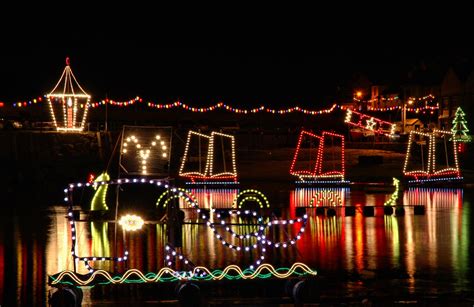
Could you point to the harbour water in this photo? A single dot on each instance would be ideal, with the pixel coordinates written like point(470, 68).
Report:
point(397, 256)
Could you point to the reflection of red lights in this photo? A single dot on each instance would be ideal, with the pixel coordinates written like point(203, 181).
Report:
point(447, 198)
point(215, 198)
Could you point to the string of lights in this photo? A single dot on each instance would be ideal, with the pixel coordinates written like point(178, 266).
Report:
point(166, 274)
point(251, 195)
point(221, 106)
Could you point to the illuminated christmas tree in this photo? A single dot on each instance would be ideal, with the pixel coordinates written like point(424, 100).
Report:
point(459, 128)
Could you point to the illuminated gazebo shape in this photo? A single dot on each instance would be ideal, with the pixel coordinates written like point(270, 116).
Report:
point(210, 161)
point(319, 169)
point(68, 102)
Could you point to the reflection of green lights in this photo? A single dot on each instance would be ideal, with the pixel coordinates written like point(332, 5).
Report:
point(100, 239)
point(463, 263)
point(391, 226)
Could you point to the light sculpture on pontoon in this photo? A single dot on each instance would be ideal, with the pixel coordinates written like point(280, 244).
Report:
point(222, 230)
point(427, 168)
point(315, 161)
point(215, 168)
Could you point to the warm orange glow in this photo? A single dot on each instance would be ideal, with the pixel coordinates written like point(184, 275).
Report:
point(359, 94)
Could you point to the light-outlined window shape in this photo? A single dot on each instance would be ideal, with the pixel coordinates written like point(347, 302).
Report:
point(216, 161)
point(431, 155)
point(68, 103)
point(319, 157)
point(145, 151)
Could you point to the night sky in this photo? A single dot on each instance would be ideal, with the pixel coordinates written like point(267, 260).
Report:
point(306, 63)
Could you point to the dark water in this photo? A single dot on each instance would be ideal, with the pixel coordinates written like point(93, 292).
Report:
point(412, 254)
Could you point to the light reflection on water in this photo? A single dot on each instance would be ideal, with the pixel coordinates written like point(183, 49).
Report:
point(435, 245)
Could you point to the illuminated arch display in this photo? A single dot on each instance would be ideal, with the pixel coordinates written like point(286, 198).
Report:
point(145, 150)
point(251, 195)
point(68, 103)
point(205, 157)
point(431, 166)
point(368, 122)
point(318, 168)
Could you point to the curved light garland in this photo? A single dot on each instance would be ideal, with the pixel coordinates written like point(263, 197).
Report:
point(188, 197)
point(251, 194)
point(166, 274)
point(225, 107)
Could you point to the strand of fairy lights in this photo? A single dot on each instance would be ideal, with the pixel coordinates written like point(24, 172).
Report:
point(226, 107)
point(251, 195)
point(160, 276)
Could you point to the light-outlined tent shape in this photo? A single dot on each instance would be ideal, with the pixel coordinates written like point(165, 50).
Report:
point(209, 157)
point(317, 167)
point(68, 102)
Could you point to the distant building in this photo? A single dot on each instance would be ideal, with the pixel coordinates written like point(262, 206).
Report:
point(410, 125)
point(452, 87)
point(384, 96)
point(431, 84)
